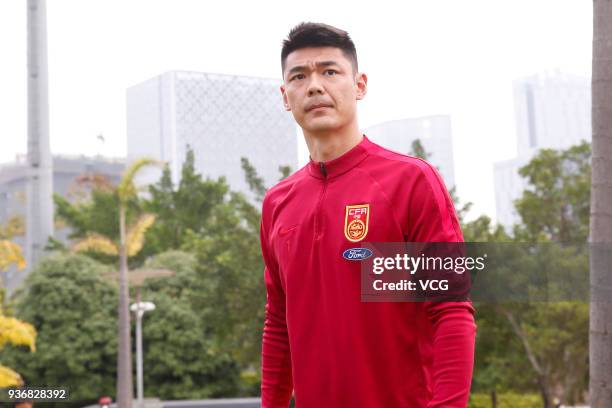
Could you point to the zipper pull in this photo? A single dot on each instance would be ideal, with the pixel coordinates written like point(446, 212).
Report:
point(323, 169)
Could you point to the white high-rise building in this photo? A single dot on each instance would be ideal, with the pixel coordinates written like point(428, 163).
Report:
point(222, 117)
point(434, 133)
point(552, 110)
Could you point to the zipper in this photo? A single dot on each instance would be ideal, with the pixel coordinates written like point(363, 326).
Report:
point(320, 202)
point(323, 170)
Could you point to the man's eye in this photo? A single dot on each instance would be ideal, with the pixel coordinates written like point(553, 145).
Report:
point(331, 72)
point(298, 76)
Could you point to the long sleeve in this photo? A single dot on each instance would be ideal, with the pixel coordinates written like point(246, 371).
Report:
point(453, 326)
point(276, 378)
point(453, 350)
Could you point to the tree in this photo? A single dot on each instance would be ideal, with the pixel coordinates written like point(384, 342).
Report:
point(229, 271)
point(554, 209)
point(221, 228)
point(183, 356)
point(418, 150)
point(482, 230)
point(72, 300)
point(555, 206)
point(285, 171)
point(16, 332)
point(126, 192)
point(255, 182)
point(541, 338)
point(98, 217)
point(601, 208)
point(74, 310)
point(130, 242)
point(12, 330)
point(189, 206)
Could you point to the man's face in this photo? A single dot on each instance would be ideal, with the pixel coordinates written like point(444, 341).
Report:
point(321, 89)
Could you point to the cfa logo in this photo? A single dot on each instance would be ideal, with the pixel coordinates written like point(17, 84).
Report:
point(356, 220)
point(358, 211)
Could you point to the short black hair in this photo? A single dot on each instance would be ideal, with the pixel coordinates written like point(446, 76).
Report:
point(308, 34)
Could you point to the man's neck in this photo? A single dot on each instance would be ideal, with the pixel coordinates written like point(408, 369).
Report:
point(328, 146)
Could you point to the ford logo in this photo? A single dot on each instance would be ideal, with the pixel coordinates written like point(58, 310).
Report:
point(356, 254)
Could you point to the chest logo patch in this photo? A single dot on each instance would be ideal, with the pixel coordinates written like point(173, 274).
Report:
point(356, 222)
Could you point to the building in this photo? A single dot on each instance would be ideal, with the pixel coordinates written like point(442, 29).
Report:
point(66, 171)
point(509, 186)
point(435, 135)
point(222, 117)
point(552, 110)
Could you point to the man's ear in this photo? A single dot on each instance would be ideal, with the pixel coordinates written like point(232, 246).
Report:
point(361, 81)
point(285, 100)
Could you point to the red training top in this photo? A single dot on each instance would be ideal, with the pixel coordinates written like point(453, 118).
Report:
point(319, 340)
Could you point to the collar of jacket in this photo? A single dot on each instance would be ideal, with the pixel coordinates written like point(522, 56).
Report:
point(341, 164)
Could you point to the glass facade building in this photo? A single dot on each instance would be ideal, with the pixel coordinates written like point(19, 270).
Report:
point(222, 117)
point(552, 110)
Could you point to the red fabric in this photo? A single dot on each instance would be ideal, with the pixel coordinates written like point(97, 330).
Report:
point(320, 341)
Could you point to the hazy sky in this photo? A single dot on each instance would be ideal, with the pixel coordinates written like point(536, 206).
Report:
point(422, 58)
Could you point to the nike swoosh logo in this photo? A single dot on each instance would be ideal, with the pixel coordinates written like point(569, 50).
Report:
point(284, 231)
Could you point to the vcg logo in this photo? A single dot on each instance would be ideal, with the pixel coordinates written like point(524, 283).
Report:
point(356, 254)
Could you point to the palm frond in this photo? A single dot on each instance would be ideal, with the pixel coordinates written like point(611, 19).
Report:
point(126, 187)
point(97, 243)
point(136, 233)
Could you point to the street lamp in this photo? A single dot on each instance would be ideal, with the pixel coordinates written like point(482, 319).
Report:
point(139, 309)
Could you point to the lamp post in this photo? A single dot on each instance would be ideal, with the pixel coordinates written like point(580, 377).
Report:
point(139, 309)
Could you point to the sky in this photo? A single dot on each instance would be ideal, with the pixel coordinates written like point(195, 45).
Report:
point(422, 57)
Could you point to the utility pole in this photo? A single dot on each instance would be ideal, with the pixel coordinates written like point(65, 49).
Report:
point(39, 219)
point(600, 240)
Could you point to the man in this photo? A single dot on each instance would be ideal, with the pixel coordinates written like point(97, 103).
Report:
point(320, 342)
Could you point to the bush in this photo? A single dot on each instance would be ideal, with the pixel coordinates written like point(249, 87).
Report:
point(73, 309)
point(505, 400)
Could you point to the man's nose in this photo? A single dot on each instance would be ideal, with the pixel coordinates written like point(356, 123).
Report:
point(314, 86)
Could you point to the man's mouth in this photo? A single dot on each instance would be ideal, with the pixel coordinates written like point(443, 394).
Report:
point(318, 106)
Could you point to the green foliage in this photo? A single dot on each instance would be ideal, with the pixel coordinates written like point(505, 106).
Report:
point(482, 230)
point(182, 358)
point(499, 355)
point(557, 203)
point(73, 309)
point(285, 171)
point(418, 150)
point(188, 207)
point(229, 270)
point(505, 400)
point(554, 208)
point(220, 296)
point(126, 190)
point(99, 215)
point(255, 182)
